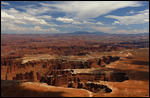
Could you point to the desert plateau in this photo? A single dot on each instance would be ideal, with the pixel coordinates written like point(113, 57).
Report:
point(41, 68)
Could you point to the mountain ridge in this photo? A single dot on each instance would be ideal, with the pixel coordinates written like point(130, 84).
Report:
point(99, 33)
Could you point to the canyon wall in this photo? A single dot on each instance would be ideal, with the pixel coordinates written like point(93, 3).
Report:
point(42, 67)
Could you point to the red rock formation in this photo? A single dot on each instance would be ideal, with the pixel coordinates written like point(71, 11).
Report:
point(54, 73)
point(27, 76)
point(97, 88)
point(61, 77)
point(38, 76)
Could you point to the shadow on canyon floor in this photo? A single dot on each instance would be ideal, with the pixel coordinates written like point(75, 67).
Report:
point(140, 62)
point(134, 74)
point(20, 91)
point(129, 57)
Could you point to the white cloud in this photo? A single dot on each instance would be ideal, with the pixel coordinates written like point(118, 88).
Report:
point(12, 10)
point(82, 10)
point(13, 20)
point(37, 10)
point(135, 31)
point(10, 27)
point(131, 12)
point(38, 28)
point(14, 16)
point(140, 18)
point(4, 15)
point(76, 22)
point(45, 17)
point(81, 24)
point(68, 20)
point(99, 23)
point(33, 20)
point(5, 3)
point(27, 30)
point(115, 22)
point(88, 23)
point(143, 12)
point(104, 29)
point(64, 20)
point(92, 23)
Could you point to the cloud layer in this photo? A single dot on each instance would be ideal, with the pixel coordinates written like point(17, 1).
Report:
point(13, 20)
point(140, 18)
point(58, 16)
point(89, 9)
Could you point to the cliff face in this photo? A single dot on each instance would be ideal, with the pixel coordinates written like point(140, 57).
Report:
point(67, 78)
point(59, 72)
point(26, 76)
point(43, 66)
point(59, 78)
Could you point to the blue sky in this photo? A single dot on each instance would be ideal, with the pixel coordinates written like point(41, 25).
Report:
point(52, 17)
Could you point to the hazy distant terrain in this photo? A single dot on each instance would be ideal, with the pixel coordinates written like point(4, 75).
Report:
point(21, 42)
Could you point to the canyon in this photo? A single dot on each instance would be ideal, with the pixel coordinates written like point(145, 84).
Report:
point(58, 72)
point(64, 63)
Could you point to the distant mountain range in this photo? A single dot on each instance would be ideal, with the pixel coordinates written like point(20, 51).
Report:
point(86, 32)
point(100, 33)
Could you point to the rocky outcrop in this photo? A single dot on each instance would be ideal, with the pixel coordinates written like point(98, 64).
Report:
point(91, 86)
point(26, 76)
point(64, 77)
point(58, 63)
point(96, 87)
point(54, 70)
point(58, 72)
point(83, 80)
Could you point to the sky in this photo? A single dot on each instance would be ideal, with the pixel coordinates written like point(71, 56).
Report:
point(54, 17)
